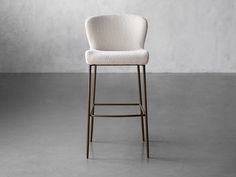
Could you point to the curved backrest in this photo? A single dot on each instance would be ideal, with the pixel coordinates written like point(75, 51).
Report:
point(116, 32)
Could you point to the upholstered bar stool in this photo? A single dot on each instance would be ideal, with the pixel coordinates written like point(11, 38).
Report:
point(117, 40)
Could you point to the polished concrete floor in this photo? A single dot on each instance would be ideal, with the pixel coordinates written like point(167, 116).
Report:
point(192, 126)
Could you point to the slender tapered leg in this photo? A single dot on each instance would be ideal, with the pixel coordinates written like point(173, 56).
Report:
point(93, 101)
point(140, 101)
point(89, 99)
point(146, 110)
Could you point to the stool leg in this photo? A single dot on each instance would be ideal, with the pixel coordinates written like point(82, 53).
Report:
point(140, 101)
point(89, 99)
point(146, 110)
point(93, 102)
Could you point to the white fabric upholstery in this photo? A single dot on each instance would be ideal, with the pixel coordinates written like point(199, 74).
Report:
point(116, 39)
point(139, 57)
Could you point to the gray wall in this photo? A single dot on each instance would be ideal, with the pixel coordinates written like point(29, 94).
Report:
point(184, 35)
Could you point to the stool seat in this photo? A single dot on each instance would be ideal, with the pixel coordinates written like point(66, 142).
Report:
point(130, 57)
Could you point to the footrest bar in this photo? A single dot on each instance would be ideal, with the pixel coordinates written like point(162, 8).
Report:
point(116, 104)
point(117, 115)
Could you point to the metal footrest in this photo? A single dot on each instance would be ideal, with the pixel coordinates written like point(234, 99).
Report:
point(117, 115)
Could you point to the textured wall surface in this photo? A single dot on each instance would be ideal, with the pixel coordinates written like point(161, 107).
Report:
point(183, 36)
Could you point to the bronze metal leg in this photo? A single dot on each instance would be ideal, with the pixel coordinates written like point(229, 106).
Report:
point(146, 111)
point(89, 99)
point(93, 102)
point(140, 100)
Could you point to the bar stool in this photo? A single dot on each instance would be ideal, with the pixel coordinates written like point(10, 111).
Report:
point(116, 40)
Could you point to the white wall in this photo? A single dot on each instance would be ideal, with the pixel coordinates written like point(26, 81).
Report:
point(183, 36)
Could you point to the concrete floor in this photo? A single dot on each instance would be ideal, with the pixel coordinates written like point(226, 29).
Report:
point(192, 126)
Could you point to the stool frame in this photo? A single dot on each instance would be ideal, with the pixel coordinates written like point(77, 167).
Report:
point(92, 104)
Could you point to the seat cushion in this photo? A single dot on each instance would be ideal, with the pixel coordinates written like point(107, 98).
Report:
point(139, 57)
